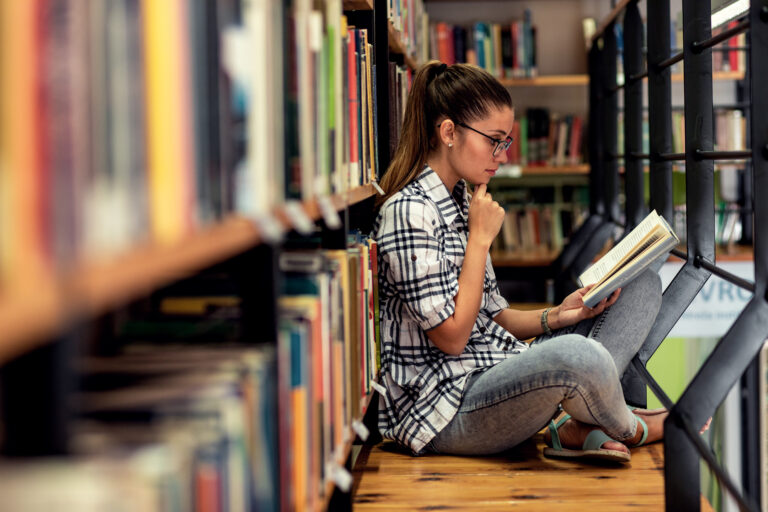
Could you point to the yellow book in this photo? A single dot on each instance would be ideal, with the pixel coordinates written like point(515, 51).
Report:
point(22, 243)
point(169, 155)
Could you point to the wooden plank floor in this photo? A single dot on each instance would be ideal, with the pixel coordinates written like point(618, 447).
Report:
point(387, 478)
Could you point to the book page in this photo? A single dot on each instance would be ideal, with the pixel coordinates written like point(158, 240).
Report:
point(603, 266)
point(631, 268)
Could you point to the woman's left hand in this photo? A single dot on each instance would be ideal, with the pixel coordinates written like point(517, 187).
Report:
point(573, 310)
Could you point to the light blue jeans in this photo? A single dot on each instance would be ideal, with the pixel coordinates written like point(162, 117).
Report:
point(577, 367)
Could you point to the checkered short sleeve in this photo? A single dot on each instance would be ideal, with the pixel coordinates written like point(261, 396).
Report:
point(414, 259)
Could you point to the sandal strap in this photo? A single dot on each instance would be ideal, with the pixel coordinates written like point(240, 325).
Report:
point(641, 421)
point(595, 440)
point(553, 427)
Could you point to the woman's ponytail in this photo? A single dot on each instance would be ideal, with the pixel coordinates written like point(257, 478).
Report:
point(460, 92)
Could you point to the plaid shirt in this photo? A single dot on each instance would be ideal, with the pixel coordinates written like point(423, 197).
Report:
point(422, 236)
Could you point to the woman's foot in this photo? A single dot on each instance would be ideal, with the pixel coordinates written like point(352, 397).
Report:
point(573, 433)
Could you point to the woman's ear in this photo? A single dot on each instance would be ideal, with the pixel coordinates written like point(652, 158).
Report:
point(447, 132)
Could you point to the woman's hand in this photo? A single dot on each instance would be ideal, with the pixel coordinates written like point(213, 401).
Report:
point(485, 217)
point(573, 310)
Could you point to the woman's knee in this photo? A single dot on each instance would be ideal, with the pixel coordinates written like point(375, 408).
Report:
point(584, 356)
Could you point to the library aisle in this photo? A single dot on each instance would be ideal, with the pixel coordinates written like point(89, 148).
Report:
point(387, 478)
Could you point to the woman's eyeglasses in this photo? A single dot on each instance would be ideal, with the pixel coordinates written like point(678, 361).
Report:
point(501, 145)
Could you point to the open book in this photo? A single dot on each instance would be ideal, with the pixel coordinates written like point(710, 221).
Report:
point(650, 239)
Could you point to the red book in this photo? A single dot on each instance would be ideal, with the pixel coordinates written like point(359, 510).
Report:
point(733, 55)
point(574, 149)
point(444, 42)
point(354, 107)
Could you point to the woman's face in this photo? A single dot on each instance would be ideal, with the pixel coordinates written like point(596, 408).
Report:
point(473, 157)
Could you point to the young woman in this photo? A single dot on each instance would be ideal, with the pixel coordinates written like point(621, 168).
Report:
point(458, 379)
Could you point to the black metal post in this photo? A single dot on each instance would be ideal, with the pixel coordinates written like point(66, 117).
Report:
point(659, 107)
point(595, 130)
point(633, 117)
point(609, 113)
point(757, 74)
point(681, 469)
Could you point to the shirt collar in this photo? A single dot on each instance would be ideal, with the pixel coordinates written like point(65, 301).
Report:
point(438, 192)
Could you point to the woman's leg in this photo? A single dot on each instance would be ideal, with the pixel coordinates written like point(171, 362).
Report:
point(623, 327)
point(510, 402)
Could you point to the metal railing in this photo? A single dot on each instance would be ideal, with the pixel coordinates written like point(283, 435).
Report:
point(736, 351)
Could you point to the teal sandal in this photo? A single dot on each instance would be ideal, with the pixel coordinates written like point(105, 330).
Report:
point(590, 449)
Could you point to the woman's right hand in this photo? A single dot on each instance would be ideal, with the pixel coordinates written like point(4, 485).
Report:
point(485, 216)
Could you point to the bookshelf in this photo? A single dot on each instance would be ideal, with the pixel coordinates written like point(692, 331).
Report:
point(240, 192)
point(579, 80)
point(28, 320)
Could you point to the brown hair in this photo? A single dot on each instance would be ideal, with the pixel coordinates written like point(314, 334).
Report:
point(460, 92)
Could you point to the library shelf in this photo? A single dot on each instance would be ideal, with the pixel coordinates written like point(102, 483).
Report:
point(330, 484)
point(357, 5)
point(583, 80)
point(536, 258)
point(580, 169)
point(29, 314)
point(546, 81)
point(396, 45)
point(716, 76)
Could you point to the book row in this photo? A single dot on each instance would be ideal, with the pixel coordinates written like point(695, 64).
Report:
point(192, 414)
point(410, 18)
point(544, 138)
point(506, 50)
point(538, 228)
point(128, 121)
point(730, 131)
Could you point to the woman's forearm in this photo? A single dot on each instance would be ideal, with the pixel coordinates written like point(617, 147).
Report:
point(527, 324)
point(453, 334)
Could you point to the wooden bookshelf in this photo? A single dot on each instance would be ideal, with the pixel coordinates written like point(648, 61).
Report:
point(537, 258)
point(396, 45)
point(716, 76)
point(582, 80)
point(38, 311)
point(357, 5)
point(547, 81)
point(580, 170)
point(731, 252)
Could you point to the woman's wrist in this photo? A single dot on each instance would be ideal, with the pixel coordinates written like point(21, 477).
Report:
point(477, 242)
point(553, 318)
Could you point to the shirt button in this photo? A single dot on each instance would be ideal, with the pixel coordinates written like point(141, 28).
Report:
point(482, 330)
point(413, 257)
point(487, 289)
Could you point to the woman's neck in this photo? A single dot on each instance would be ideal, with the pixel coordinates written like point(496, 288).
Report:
point(438, 162)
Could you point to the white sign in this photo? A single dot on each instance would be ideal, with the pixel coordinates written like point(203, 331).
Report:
point(717, 304)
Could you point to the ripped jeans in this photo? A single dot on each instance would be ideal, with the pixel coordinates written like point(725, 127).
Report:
point(578, 367)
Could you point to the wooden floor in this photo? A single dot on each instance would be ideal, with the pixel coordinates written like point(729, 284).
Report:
point(387, 478)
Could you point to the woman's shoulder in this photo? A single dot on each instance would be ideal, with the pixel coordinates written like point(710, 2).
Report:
point(409, 207)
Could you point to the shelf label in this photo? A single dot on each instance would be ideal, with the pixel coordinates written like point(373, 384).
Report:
point(330, 215)
point(341, 477)
point(298, 217)
point(379, 388)
point(378, 188)
point(360, 429)
point(270, 229)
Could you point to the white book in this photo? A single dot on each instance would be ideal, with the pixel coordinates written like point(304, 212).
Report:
point(642, 246)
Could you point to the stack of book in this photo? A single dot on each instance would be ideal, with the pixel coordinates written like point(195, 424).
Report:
point(544, 138)
point(505, 50)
